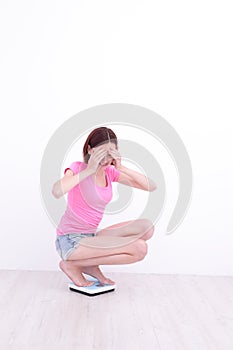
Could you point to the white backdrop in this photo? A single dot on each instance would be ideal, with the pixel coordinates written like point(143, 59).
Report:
point(59, 58)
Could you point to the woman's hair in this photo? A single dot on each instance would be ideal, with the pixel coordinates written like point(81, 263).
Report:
point(97, 137)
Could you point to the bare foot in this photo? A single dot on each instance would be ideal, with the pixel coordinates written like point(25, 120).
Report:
point(74, 273)
point(95, 271)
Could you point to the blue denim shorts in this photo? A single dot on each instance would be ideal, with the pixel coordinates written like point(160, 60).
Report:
point(67, 243)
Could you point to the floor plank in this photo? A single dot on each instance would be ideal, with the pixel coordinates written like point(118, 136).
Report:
point(146, 311)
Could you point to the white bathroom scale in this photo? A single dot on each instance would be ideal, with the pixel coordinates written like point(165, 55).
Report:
point(96, 289)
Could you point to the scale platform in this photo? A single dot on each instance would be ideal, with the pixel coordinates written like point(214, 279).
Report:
point(96, 289)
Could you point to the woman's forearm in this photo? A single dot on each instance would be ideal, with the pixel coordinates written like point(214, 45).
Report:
point(143, 182)
point(65, 184)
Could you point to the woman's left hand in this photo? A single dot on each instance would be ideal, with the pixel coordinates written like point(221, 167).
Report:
point(116, 158)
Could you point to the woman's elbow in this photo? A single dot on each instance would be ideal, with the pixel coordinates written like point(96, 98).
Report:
point(152, 187)
point(55, 192)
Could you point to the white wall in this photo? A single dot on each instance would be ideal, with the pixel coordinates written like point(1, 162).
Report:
point(175, 58)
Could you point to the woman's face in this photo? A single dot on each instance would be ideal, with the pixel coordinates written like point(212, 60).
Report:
point(107, 160)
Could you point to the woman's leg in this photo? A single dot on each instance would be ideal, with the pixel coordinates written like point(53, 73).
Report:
point(140, 228)
point(97, 251)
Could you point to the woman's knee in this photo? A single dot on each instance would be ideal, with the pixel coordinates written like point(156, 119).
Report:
point(141, 249)
point(147, 226)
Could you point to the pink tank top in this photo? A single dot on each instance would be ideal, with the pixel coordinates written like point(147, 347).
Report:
point(86, 202)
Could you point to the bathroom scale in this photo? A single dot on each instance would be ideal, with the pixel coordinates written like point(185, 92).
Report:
point(96, 289)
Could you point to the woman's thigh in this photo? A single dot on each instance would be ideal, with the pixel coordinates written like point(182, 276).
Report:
point(93, 247)
point(127, 228)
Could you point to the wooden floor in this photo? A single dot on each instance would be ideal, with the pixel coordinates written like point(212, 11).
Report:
point(146, 311)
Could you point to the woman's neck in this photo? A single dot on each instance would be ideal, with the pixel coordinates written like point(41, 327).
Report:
point(100, 172)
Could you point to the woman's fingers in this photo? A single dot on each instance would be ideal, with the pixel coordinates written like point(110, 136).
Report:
point(95, 158)
point(99, 154)
point(115, 154)
point(116, 158)
point(98, 151)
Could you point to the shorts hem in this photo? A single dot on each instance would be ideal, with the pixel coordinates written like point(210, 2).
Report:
point(68, 253)
point(62, 250)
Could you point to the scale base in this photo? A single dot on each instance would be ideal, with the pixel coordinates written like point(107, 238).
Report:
point(96, 289)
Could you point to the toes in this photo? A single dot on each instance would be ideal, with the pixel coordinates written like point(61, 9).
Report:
point(106, 281)
point(88, 284)
point(84, 284)
point(110, 281)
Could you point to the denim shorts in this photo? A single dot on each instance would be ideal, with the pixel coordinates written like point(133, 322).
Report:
point(67, 243)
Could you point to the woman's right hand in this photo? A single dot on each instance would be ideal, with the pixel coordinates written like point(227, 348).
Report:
point(96, 156)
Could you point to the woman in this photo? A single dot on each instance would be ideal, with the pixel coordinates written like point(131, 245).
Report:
point(89, 189)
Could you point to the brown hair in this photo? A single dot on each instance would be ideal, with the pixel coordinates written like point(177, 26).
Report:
point(97, 137)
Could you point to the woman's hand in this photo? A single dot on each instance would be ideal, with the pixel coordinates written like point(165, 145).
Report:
point(96, 156)
point(116, 158)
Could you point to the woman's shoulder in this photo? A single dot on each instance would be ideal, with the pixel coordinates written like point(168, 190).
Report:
point(76, 166)
point(78, 162)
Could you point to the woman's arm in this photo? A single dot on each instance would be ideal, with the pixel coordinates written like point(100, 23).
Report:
point(132, 178)
point(68, 181)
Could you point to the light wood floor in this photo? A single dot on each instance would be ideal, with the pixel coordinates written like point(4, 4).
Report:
point(146, 311)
